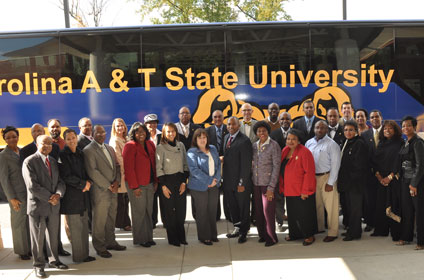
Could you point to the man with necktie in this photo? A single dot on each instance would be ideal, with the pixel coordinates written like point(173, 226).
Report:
point(347, 111)
point(104, 170)
point(307, 123)
point(335, 129)
point(45, 188)
point(86, 129)
point(246, 126)
point(185, 127)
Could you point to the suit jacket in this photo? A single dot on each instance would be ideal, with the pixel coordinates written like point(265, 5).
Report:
point(32, 148)
point(300, 124)
point(186, 140)
point(83, 142)
point(11, 175)
point(253, 138)
point(237, 162)
point(98, 167)
point(339, 137)
point(213, 139)
point(277, 135)
point(41, 186)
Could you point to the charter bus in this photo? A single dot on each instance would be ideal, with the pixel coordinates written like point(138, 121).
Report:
point(128, 72)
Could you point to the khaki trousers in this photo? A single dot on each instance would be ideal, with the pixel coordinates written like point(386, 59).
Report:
point(330, 202)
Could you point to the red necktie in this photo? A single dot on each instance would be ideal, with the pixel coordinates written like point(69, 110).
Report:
point(48, 166)
point(229, 142)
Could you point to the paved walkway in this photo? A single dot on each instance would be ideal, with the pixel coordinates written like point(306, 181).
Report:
point(370, 258)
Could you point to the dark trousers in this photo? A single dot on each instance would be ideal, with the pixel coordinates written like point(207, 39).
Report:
point(354, 212)
point(122, 217)
point(381, 220)
point(44, 229)
point(342, 199)
point(265, 214)
point(206, 204)
point(412, 210)
point(239, 205)
point(175, 209)
point(370, 198)
point(394, 202)
point(279, 207)
point(302, 216)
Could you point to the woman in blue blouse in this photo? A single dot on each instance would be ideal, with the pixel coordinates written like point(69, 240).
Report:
point(205, 175)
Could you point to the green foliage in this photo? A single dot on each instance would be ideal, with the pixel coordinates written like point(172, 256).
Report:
point(198, 11)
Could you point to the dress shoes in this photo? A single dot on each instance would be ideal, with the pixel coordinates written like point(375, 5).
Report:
point(261, 240)
point(350, 238)
point(206, 242)
point(24, 257)
point(105, 254)
point(89, 259)
point(116, 247)
point(308, 241)
point(368, 228)
point(64, 253)
point(344, 234)
point(176, 244)
point(152, 243)
point(215, 239)
point(270, 243)
point(145, 245)
point(242, 238)
point(184, 242)
point(58, 265)
point(234, 234)
point(39, 272)
point(330, 238)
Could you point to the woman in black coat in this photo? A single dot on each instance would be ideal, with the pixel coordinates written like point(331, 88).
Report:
point(412, 189)
point(75, 201)
point(351, 179)
point(385, 168)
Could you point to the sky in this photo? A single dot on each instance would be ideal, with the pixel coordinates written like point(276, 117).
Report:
point(46, 14)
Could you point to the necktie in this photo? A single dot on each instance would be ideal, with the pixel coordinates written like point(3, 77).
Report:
point(249, 123)
point(186, 131)
point(229, 142)
point(48, 166)
point(219, 137)
point(308, 123)
point(376, 139)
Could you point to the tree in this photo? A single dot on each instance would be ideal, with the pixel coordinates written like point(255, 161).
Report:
point(197, 11)
point(89, 12)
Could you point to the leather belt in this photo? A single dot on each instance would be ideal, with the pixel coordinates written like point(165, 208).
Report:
point(320, 174)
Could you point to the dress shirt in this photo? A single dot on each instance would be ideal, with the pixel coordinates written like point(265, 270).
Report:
point(43, 157)
point(247, 128)
point(285, 132)
point(333, 130)
point(232, 137)
point(309, 123)
point(327, 156)
point(155, 138)
point(88, 137)
point(185, 129)
point(106, 152)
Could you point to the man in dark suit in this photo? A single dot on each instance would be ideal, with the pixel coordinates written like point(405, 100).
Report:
point(280, 136)
point(37, 130)
point(335, 129)
point(185, 127)
point(45, 188)
point(307, 123)
point(371, 139)
point(216, 135)
point(237, 181)
point(347, 112)
point(86, 130)
point(103, 169)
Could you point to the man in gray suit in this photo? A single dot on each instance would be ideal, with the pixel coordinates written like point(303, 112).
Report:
point(103, 169)
point(45, 188)
point(86, 128)
point(246, 125)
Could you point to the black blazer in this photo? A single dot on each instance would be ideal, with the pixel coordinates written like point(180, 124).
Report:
point(237, 162)
point(353, 166)
point(32, 148)
point(72, 171)
point(212, 137)
point(277, 135)
point(300, 124)
point(187, 141)
point(339, 137)
point(83, 142)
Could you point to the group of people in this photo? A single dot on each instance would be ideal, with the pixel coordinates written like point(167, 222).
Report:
point(311, 168)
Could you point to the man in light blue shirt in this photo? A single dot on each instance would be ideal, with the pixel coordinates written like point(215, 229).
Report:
point(327, 158)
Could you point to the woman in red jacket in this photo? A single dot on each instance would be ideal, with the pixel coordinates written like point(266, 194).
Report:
point(141, 182)
point(297, 182)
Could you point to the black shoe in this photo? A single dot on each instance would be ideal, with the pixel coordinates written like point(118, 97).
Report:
point(270, 243)
point(58, 265)
point(89, 259)
point(64, 253)
point(368, 228)
point(152, 243)
point(184, 242)
point(242, 238)
point(117, 247)
point(234, 234)
point(105, 254)
point(206, 242)
point(261, 240)
point(344, 234)
point(39, 272)
point(176, 244)
point(350, 238)
point(145, 245)
point(215, 239)
point(24, 257)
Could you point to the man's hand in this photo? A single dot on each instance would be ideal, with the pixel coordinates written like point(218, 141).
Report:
point(16, 204)
point(54, 199)
point(87, 187)
point(137, 192)
point(114, 187)
point(328, 188)
point(240, 188)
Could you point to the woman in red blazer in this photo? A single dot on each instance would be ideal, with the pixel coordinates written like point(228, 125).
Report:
point(141, 182)
point(297, 182)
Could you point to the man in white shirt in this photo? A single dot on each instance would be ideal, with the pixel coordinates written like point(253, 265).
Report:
point(246, 125)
